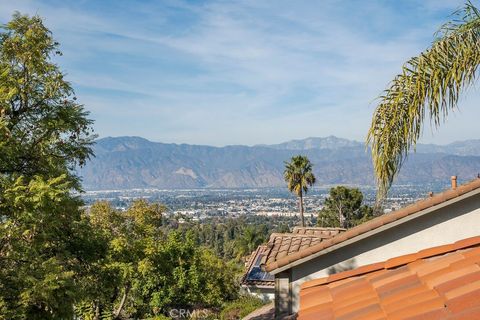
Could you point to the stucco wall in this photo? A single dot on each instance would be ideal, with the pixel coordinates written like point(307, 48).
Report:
point(266, 294)
point(443, 226)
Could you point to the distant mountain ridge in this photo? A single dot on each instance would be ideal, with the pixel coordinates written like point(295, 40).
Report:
point(459, 148)
point(134, 162)
point(330, 142)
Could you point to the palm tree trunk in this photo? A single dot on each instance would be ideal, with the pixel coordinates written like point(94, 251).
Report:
point(341, 218)
point(301, 209)
point(122, 302)
point(97, 311)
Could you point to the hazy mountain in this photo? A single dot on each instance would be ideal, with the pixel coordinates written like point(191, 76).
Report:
point(330, 142)
point(133, 162)
point(460, 148)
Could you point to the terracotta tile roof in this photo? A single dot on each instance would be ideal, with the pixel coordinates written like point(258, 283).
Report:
point(282, 245)
point(254, 275)
point(324, 233)
point(437, 283)
point(373, 224)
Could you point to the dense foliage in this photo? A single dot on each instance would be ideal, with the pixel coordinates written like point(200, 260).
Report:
point(233, 239)
point(148, 272)
point(344, 208)
point(46, 246)
point(240, 308)
point(43, 130)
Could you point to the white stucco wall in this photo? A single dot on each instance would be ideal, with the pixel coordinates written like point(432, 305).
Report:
point(266, 294)
point(451, 223)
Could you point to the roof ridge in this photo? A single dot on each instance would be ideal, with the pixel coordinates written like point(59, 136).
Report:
point(396, 261)
point(377, 222)
point(286, 244)
point(294, 235)
point(319, 228)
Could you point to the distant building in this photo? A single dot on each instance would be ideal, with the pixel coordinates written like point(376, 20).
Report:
point(277, 213)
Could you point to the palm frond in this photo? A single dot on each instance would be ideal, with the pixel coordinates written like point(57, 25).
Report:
point(428, 86)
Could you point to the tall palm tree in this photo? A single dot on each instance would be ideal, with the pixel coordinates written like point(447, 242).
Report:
point(299, 177)
point(429, 86)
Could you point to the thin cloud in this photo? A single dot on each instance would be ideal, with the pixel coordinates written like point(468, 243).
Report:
point(237, 72)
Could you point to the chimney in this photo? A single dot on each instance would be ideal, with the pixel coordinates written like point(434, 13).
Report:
point(454, 182)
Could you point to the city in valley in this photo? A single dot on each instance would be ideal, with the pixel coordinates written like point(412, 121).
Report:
point(200, 204)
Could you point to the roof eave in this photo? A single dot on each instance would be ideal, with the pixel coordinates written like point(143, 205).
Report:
point(255, 286)
point(367, 234)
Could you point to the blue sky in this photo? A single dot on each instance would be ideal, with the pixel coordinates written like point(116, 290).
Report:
point(241, 72)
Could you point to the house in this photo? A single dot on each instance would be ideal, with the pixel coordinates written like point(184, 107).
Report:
point(441, 282)
point(439, 219)
point(256, 280)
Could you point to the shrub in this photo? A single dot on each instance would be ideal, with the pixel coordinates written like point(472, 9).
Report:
point(241, 307)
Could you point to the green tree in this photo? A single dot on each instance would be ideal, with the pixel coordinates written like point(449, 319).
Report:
point(45, 250)
point(149, 269)
point(46, 246)
point(299, 177)
point(43, 129)
point(189, 276)
point(343, 208)
point(250, 238)
point(233, 238)
point(428, 86)
point(133, 238)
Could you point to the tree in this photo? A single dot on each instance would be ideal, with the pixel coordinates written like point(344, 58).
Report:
point(429, 86)
point(188, 276)
point(233, 238)
point(132, 238)
point(343, 208)
point(299, 177)
point(149, 269)
point(250, 238)
point(46, 245)
point(43, 129)
point(45, 250)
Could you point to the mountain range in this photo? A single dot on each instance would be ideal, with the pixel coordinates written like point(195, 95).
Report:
point(134, 162)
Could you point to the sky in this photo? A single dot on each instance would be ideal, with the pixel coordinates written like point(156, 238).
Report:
point(242, 72)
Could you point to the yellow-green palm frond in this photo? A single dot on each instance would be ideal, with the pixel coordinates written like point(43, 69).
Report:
point(428, 86)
